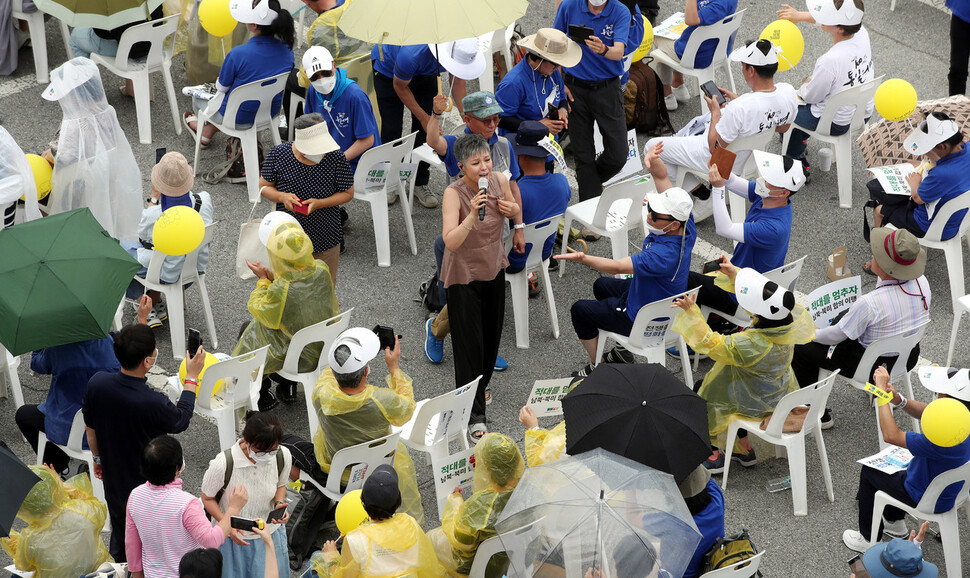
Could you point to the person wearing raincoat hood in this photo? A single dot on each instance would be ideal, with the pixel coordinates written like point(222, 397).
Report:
point(94, 166)
point(752, 368)
point(16, 181)
point(465, 524)
point(63, 534)
point(295, 291)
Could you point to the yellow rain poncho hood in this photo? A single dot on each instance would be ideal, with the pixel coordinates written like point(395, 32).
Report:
point(392, 548)
point(300, 295)
point(546, 445)
point(752, 369)
point(63, 535)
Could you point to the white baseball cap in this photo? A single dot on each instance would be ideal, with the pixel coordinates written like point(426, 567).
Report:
point(751, 54)
point(363, 344)
point(69, 76)
point(784, 172)
point(271, 221)
point(749, 287)
point(246, 12)
point(930, 133)
point(824, 12)
point(947, 380)
point(315, 59)
point(675, 202)
point(460, 57)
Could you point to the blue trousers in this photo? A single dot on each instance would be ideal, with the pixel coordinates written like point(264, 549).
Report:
point(607, 311)
point(799, 138)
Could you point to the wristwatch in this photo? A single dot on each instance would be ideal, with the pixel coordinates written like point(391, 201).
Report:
point(519, 226)
point(97, 460)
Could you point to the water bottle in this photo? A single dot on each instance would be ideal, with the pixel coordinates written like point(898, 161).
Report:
point(778, 484)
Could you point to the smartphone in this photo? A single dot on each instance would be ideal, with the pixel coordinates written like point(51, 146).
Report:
point(245, 523)
point(386, 335)
point(579, 34)
point(711, 266)
point(712, 91)
point(553, 112)
point(159, 153)
point(194, 341)
point(855, 564)
point(302, 209)
point(277, 514)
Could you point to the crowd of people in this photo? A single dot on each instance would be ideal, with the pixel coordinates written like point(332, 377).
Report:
point(502, 169)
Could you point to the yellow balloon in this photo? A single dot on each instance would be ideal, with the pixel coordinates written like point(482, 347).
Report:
point(350, 512)
point(215, 17)
point(209, 360)
point(895, 99)
point(178, 231)
point(647, 42)
point(42, 175)
point(788, 37)
point(945, 422)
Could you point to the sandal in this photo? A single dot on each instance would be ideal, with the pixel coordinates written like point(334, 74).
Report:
point(488, 395)
point(867, 268)
point(190, 117)
point(476, 431)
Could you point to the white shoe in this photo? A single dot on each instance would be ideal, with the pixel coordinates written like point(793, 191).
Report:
point(681, 93)
point(671, 102)
point(161, 310)
point(152, 320)
point(854, 540)
point(895, 529)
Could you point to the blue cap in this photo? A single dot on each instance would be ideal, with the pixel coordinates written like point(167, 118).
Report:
point(897, 557)
point(527, 139)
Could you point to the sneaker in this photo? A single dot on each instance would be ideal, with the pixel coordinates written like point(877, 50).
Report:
point(588, 235)
point(161, 310)
point(895, 529)
point(585, 371)
point(500, 364)
point(153, 320)
point(746, 459)
point(286, 392)
point(554, 263)
point(425, 197)
point(827, 422)
point(808, 172)
point(433, 348)
point(675, 352)
point(681, 93)
point(267, 400)
point(702, 192)
point(534, 288)
point(854, 540)
point(618, 355)
point(671, 102)
point(715, 466)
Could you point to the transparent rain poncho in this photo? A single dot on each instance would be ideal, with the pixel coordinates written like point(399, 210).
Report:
point(16, 177)
point(63, 534)
point(752, 368)
point(347, 420)
point(300, 295)
point(94, 166)
point(597, 510)
point(465, 524)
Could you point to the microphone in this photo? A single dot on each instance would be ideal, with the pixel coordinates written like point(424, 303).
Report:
point(482, 186)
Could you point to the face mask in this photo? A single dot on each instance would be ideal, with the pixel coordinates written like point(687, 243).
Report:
point(597, 3)
point(657, 231)
point(325, 85)
point(264, 458)
point(761, 189)
point(313, 158)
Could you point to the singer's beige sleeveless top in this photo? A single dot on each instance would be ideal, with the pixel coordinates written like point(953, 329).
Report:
point(482, 255)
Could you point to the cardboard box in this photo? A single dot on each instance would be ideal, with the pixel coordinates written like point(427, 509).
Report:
point(837, 268)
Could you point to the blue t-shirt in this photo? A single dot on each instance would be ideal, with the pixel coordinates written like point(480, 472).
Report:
point(710, 523)
point(451, 163)
point(961, 8)
point(261, 57)
point(660, 269)
point(929, 461)
point(766, 236)
point(416, 60)
point(543, 196)
point(384, 66)
point(526, 94)
point(611, 25)
point(350, 117)
point(949, 179)
point(709, 12)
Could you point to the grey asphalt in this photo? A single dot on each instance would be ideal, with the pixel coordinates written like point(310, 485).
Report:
point(910, 43)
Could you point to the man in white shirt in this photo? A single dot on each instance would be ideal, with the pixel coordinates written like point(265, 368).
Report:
point(768, 106)
point(848, 63)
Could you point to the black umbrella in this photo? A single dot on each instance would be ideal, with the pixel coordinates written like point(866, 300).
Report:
point(639, 411)
point(15, 483)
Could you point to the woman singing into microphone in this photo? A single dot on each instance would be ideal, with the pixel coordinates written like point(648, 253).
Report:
point(474, 213)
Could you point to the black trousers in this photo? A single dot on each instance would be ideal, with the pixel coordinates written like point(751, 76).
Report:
point(959, 55)
point(710, 294)
point(604, 105)
point(871, 481)
point(30, 420)
point(424, 89)
point(476, 312)
point(293, 86)
point(811, 357)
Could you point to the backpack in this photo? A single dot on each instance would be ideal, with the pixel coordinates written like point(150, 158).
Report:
point(643, 102)
point(730, 550)
point(429, 296)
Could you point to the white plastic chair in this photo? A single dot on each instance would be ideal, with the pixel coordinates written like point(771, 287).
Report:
point(816, 396)
point(743, 569)
point(959, 308)
point(612, 214)
point(38, 38)
point(295, 100)
point(536, 235)
point(324, 332)
point(389, 156)
point(952, 248)
point(483, 555)
point(159, 59)
point(651, 335)
point(722, 32)
point(359, 460)
point(925, 510)
point(173, 293)
point(440, 420)
point(261, 91)
point(241, 377)
point(75, 449)
point(497, 41)
point(9, 378)
point(785, 276)
point(858, 96)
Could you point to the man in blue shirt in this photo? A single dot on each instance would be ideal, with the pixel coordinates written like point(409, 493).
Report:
point(342, 103)
point(658, 271)
point(594, 86)
point(939, 139)
point(705, 501)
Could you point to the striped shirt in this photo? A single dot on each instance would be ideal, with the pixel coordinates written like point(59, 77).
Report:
point(891, 308)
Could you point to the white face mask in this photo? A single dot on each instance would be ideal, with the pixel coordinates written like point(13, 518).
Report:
point(761, 189)
point(325, 85)
point(313, 158)
point(597, 3)
point(657, 231)
point(264, 458)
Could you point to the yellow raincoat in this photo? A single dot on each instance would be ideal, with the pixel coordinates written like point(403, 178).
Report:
point(348, 420)
point(752, 369)
point(300, 295)
point(392, 548)
point(546, 445)
point(63, 534)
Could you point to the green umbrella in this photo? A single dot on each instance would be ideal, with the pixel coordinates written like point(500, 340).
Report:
point(103, 14)
point(62, 278)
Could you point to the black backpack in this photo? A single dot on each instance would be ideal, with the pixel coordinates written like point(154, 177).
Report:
point(429, 295)
point(643, 102)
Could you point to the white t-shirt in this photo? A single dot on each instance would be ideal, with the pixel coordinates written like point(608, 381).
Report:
point(755, 112)
point(846, 64)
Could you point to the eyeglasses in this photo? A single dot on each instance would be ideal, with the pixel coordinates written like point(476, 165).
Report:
point(154, 356)
point(657, 216)
point(494, 119)
point(322, 74)
point(271, 452)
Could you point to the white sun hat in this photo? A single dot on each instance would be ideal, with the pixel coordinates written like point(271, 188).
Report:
point(749, 287)
point(460, 57)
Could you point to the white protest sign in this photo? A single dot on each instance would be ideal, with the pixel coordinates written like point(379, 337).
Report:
point(452, 471)
point(633, 163)
point(672, 27)
point(546, 397)
point(828, 300)
point(893, 178)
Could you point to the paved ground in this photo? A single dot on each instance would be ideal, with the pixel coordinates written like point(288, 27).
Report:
point(910, 43)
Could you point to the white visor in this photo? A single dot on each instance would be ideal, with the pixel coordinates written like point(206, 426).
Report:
point(771, 167)
point(750, 54)
point(928, 134)
point(363, 345)
point(749, 286)
point(824, 12)
point(244, 11)
point(952, 382)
